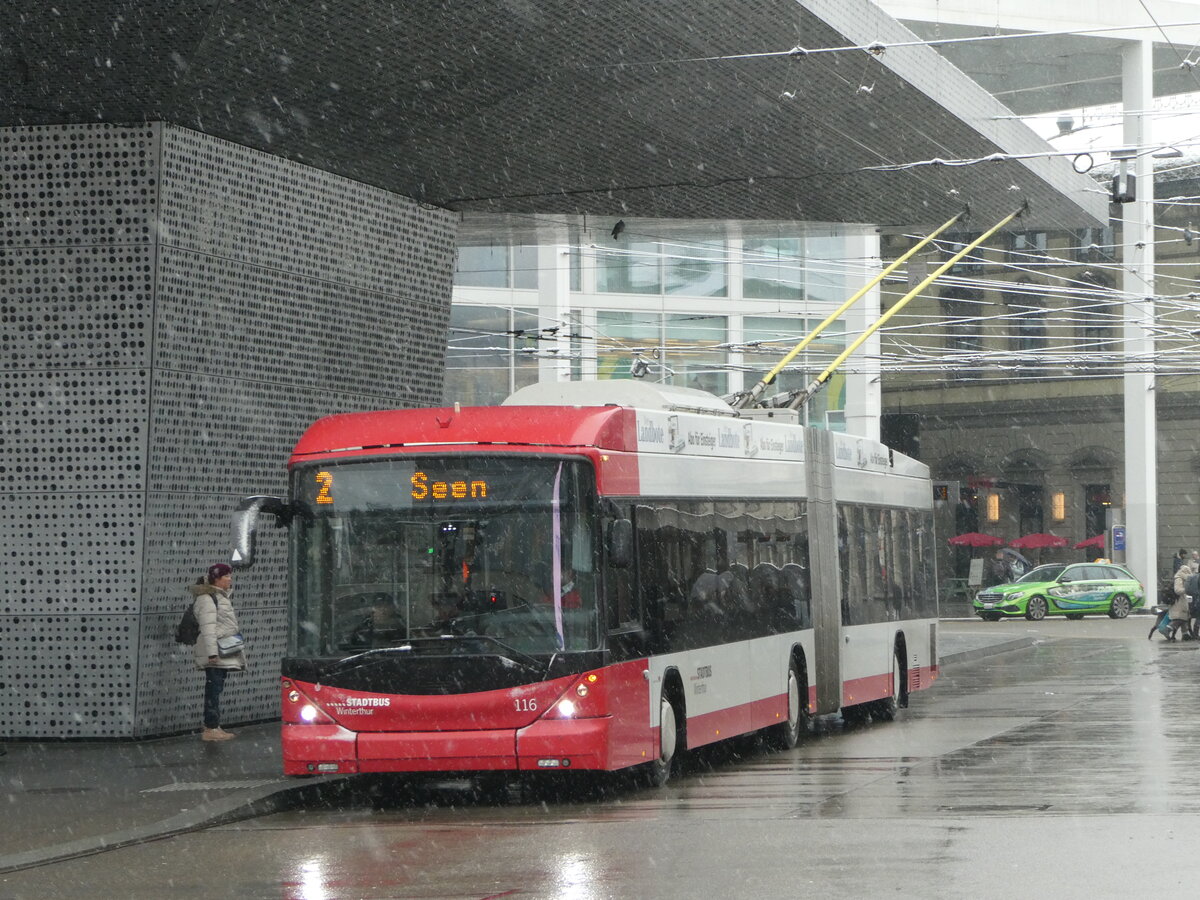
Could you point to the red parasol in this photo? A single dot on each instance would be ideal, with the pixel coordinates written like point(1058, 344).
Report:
point(1038, 540)
point(1097, 541)
point(975, 539)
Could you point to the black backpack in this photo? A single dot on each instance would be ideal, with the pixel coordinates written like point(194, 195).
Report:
point(188, 629)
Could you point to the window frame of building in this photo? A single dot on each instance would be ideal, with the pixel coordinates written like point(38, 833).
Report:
point(958, 303)
point(1027, 247)
point(949, 246)
point(1028, 330)
point(1095, 326)
point(1093, 245)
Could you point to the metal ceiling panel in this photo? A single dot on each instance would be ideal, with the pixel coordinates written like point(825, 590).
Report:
point(551, 106)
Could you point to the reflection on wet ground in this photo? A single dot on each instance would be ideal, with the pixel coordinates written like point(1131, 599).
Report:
point(1002, 728)
point(1058, 769)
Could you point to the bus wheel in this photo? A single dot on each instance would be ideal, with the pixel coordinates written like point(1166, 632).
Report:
point(659, 771)
point(786, 735)
point(885, 710)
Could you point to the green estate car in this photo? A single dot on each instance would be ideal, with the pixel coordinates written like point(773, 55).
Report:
point(1063, 590)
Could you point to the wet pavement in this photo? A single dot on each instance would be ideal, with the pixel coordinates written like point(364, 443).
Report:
point(77, 798)
point(1039, 737)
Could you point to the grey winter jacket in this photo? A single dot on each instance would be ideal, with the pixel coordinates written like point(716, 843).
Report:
point(216, 620)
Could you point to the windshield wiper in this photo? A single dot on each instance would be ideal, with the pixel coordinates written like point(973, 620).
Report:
point(511, 653)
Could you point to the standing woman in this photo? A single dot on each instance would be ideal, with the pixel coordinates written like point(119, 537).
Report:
point(214, 612)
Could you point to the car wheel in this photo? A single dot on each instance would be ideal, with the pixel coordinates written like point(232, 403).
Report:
point(1120, 607)
point(1035, 609)
point(1074, 615)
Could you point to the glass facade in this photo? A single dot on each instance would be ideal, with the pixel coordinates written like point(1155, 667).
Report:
point(626, 335)
point(633, 268)
point(773, 269)
point(489, 353)
point(767, 338)
point(482, 266)
point(696, 269)
point(708, 313)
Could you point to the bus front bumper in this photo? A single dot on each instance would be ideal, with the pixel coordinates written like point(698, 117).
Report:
point(545, 745)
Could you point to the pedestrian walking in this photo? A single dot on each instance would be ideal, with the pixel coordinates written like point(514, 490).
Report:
point(1166, 592)
point(1180, 611)
point(219, 648)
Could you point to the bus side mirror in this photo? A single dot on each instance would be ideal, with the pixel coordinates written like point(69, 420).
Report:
point(245, 524)
point(620, 543)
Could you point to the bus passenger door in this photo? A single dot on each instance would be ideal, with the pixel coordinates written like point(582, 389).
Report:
point(627, 637)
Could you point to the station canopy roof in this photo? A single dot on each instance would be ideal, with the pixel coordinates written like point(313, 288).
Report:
point(689, 109)
point(1023, 51)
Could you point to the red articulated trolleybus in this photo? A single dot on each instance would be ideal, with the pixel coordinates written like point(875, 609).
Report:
point(592, 576)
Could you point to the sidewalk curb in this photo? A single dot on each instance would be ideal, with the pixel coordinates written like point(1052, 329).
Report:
point(265, 800)
point(1008, 646)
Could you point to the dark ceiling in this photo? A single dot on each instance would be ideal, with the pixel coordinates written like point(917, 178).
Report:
point(519, 106)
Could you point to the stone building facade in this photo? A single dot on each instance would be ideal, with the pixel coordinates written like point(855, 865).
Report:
point(1005, 380)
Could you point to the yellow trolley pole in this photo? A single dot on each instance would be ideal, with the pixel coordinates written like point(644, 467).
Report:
point(937, 273)
point(750, 397)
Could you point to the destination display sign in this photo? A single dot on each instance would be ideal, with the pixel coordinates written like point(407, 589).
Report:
point(425, 483)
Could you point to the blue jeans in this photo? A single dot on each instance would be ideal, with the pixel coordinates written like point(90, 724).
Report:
point(214, 683)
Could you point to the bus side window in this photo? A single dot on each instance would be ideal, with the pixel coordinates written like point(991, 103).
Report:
point(796, 582)
point(624, 612)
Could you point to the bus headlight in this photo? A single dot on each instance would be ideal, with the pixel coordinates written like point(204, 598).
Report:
point(309, 713)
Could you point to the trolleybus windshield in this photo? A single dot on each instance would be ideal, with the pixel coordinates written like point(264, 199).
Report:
point(391, 551)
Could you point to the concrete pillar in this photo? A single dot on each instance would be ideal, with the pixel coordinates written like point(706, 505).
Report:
point(1137, 287)
point(864, 392)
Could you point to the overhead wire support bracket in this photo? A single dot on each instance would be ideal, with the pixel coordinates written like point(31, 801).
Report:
point(803, 397)
point(751, 397)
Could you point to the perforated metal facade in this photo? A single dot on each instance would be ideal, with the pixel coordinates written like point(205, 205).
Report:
point(175, 309)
